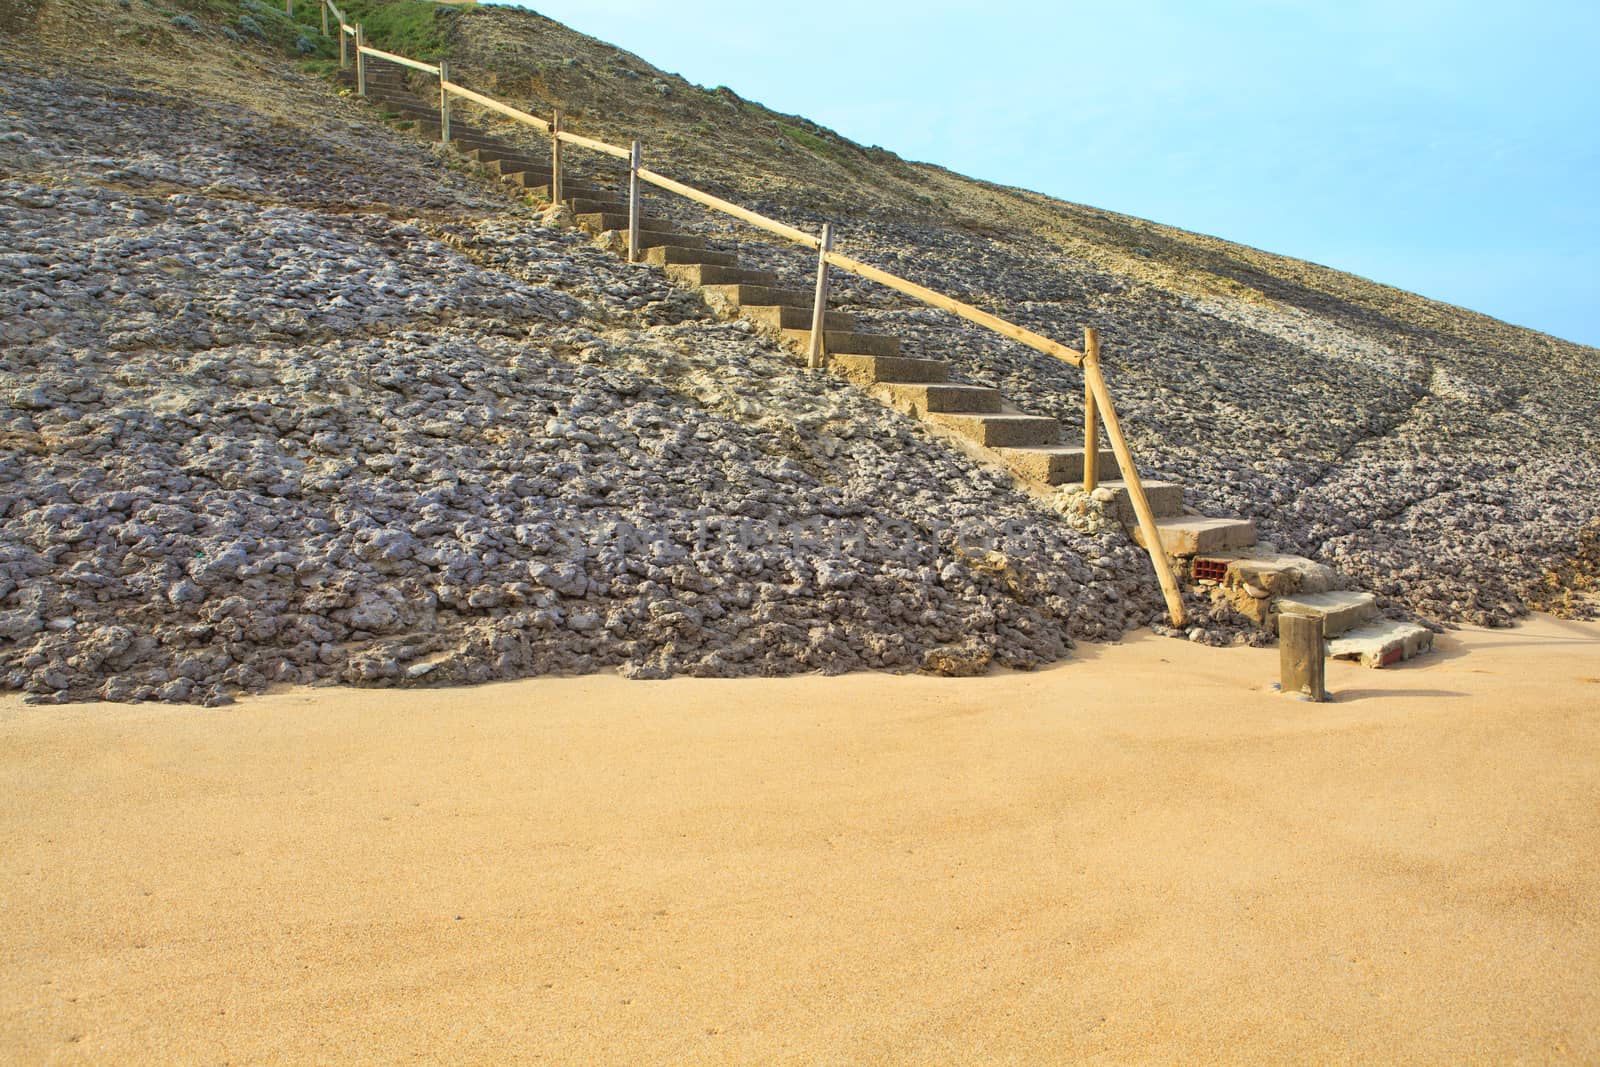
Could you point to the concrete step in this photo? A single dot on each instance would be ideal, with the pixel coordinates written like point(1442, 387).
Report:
point(846, 342)
point(668, 254)
point(1263, 571)
point(1166, 499)
point(1339, 610)
point(1002, 431)
point(1380, 643)
point(597, 205)
point(778, 317)
point(867, 370)
point(698, 274)
point(919, 398)
point(509, 163)
point(599, 222)
point(649, 239)
point(432, 130)
point(539, 185)
point(765, 295)
point(1060, 465)
point(1194, 534)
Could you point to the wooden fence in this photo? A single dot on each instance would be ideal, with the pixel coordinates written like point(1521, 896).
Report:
point(1099, 411)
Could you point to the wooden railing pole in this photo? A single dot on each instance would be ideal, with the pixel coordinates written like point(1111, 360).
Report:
point(361, 61)
point(288, 8)
point(818, 356)
point(635, 161)
point(1091, 420)
point(557, 193)
point(444, 103)
point(1148, 529)
point(324, 19)
point(344, 48)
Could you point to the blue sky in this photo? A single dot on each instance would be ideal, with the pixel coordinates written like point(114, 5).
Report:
point(1452, 149)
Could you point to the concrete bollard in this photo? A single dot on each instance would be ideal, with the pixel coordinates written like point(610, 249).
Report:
point(1301, 657)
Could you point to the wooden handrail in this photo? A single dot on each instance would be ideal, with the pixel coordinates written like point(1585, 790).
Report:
point(596, 146)
point(1141, 503)
point(1097, 397)
point(494, 105)
point(761, 222)
point(1035, 341)
point(334, 8)
point(426, 68)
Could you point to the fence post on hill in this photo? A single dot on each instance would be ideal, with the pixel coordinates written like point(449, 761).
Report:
point(1091, 417)
point(635, 161)
point(818, 355)
point(444, 103)
point(288, 8)
point(344, 48)
point(557, 194)
point(324, 19)
point(361, 61)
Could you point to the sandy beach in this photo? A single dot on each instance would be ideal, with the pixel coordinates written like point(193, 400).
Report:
point(1141, 855)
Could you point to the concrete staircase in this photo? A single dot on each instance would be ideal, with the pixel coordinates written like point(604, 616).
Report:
point(1219, 555)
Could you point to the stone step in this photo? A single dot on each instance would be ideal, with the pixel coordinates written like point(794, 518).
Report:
point(1002, 431)
point(920, 398)
point(669, 254)
point(599, 222)
point(1192, 535)
point(698, 274)
point(592, 205)
point(1166, 499)
point(740, 295)
point(433, 131)
point(1380, 643)
point(846, 342)
point(779, 317)
point(1339, 610)
point(1263, 571)
point(649, 239)
point(867, 370)
point(539, 185)
point(1060, 465)
point(508, 163)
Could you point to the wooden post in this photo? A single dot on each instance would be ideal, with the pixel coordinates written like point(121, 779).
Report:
point(1091, 420)
point(324, 19)
point(635, 161)
point(818, 356)
point(344, 48)
point(1141, 503)
point(361, 61)
point(444, 103)
point(1301, 667)
point(288, 8)
point(557, 194)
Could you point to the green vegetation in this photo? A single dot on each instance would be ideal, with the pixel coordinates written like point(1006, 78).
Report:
point(413, 28)
point(806, 139)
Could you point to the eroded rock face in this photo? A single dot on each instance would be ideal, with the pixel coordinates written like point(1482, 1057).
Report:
point(255, 444)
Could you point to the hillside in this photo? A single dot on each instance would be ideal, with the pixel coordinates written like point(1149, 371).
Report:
point(290, 396)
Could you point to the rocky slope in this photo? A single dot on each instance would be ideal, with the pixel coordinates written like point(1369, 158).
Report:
point(288, 397)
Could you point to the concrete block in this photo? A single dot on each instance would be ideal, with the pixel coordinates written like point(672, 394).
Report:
point(864, 370)
point(1057, 465)
point(1191, 536)
point(1340, 610)
point(1002, 431)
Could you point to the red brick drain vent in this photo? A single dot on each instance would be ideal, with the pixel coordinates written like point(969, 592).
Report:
point(1210, 570)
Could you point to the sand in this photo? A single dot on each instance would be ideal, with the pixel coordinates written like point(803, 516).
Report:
point(1141, 855)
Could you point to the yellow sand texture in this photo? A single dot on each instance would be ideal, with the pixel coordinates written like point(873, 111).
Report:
point(1143, 855)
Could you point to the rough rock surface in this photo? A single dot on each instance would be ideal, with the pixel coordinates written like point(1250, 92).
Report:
point(287, 396)
point(251, 438)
